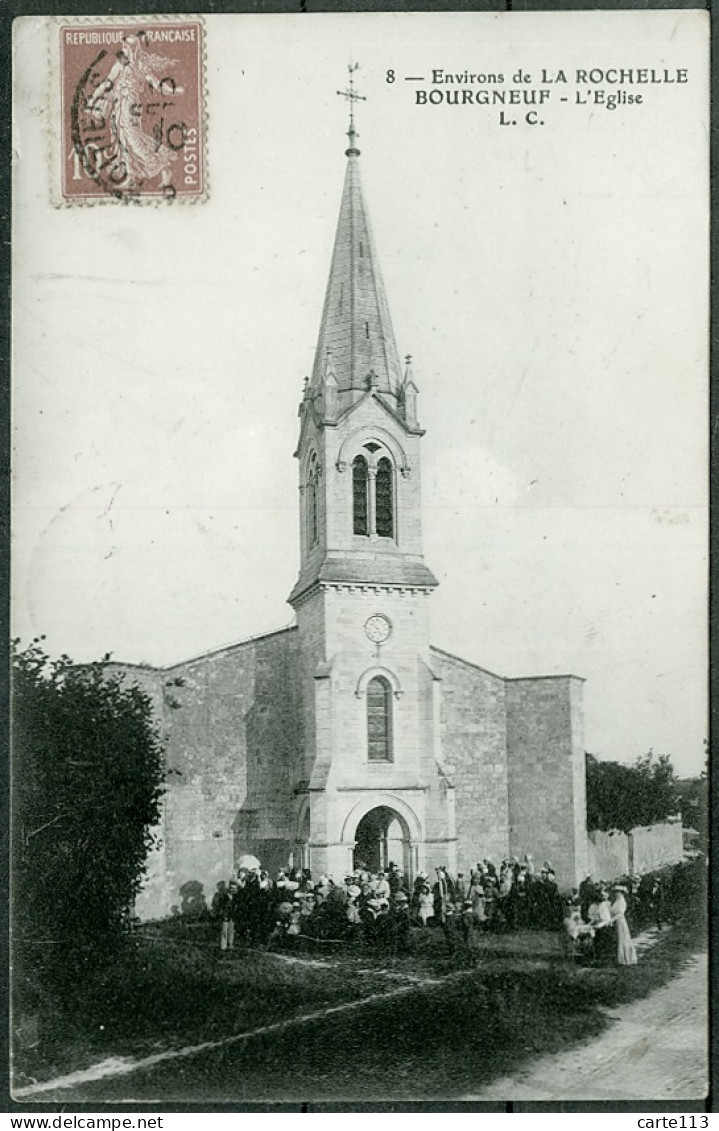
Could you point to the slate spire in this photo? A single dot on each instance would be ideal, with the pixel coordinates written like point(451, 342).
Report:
point(356, 325)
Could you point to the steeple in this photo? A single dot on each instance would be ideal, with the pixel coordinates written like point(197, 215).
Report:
point(356, 325)
point(359, 443)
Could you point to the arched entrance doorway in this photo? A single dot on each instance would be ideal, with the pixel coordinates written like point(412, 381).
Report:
point(382, 838)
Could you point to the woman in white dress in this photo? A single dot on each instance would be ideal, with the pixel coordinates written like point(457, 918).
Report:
point(600, 919)
point(426, 905)
point(626, 953)
point(599, 913)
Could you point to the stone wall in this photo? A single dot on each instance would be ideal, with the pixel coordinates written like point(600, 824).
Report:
point(656, 846)
point(232, 739)
point(473, 739)
point(645, 849)
point(547, 791)
point(608, 854)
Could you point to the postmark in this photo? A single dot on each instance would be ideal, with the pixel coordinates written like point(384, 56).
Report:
point(132, 111)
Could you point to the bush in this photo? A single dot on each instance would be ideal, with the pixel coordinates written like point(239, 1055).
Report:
point(87, 774)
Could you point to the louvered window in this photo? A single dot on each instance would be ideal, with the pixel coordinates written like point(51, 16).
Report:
point(313, 530)
point(359, 495)
point(384, 499)
point(312, 512)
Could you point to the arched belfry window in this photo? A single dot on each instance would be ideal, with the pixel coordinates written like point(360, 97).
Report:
point(312, 512)
point(373, 492)
point(379, 720)
point(385, 502)
point(313, 529)
point(360, 507)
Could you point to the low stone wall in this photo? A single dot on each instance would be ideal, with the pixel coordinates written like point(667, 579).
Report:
point(608, 854)
point(656, 846)
point(614, 853)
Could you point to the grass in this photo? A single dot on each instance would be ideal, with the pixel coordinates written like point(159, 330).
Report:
point(159, 994)
point(170, 987)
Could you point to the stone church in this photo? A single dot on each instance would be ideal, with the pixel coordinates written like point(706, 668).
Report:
point(348, 736)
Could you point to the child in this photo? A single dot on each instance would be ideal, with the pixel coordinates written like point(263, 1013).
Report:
point(294, 927)
point(426, 905)
point(471, 931)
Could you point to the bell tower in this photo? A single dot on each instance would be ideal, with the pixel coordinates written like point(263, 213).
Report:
point(372, 770)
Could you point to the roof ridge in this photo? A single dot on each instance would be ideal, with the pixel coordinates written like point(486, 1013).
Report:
point(469, 663)
point(228, 647)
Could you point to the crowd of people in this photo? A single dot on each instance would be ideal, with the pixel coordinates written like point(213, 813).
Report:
point(380, 909)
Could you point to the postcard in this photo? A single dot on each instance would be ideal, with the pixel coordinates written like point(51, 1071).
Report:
point(360, 370)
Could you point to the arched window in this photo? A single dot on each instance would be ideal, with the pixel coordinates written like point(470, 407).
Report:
point(384, 500)
point(312, 511)
point(312, 519)
point(359, 496)
point(379, 720)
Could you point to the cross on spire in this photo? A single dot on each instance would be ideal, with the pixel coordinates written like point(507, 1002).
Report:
point(352, 96)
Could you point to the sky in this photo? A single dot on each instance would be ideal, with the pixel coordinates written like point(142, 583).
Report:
point(549, 281)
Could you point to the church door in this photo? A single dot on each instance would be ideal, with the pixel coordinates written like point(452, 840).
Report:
point(380, 840)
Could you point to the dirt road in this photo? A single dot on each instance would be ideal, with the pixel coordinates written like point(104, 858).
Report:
point(656, 1049)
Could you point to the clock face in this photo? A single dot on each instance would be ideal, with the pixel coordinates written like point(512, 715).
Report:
point(377, 628)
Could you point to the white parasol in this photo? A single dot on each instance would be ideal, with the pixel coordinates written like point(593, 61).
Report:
point(248, 864)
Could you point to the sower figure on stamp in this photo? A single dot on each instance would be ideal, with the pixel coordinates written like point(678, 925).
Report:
point(116, 100)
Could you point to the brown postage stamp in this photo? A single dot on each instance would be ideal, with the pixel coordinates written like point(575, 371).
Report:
point(132, 105)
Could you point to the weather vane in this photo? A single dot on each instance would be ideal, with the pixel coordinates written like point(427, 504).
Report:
point(352, 96)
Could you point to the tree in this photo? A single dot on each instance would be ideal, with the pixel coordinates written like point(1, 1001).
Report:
point(86, 786)
point(694, 798)
point(624, 797)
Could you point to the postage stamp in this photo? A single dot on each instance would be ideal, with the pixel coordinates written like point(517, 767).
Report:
point(132, 117)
